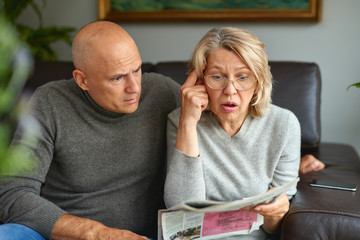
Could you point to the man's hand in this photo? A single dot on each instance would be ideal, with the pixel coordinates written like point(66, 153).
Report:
point(113, 233)
point(73, 227)
point(309, 163)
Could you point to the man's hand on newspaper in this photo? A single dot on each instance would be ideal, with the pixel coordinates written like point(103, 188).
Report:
point(273, 212)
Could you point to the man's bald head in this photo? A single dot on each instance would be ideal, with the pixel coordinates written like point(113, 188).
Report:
point(108, 66)
point(94, 41)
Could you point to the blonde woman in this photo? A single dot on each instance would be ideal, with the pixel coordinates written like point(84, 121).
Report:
point(227, 141)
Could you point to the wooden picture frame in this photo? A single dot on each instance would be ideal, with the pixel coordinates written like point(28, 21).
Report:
point(310, 14)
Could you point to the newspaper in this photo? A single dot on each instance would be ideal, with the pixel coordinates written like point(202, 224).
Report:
point(214, 219)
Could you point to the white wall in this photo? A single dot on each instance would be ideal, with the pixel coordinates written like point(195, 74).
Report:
point(333, 44)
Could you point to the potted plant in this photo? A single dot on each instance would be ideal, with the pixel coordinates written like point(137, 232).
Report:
point(38, 39)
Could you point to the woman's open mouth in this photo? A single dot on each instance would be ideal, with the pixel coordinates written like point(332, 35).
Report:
point(229, 106)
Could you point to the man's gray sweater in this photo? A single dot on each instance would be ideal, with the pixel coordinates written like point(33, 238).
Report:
point(91, 162)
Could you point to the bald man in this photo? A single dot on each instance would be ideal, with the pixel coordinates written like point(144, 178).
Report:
point(101, 153)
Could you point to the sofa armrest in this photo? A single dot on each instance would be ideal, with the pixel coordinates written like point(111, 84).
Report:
point(319, 213)
point(335, 154)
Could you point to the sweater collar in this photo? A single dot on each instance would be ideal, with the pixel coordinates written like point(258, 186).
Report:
point(244, 127)
point(99, 109)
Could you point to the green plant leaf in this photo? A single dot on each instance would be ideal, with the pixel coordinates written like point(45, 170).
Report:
point(15, 64)
point(354, 85)
point(9, 43)
point(13, 9)
point(40, 40)
point(37, 10)
point(15, 159)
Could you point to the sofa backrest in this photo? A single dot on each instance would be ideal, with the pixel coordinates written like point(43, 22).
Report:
point(297, 87)
point(44, 72)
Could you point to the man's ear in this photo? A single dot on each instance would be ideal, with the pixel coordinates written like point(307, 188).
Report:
point(80, 79)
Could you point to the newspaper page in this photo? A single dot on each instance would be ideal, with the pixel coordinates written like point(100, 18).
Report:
point(213, 219)
point(187, 225)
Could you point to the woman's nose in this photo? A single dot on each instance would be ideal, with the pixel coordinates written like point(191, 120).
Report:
point(230, 88)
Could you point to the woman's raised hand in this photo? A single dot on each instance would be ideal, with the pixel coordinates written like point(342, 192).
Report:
point(194, 99)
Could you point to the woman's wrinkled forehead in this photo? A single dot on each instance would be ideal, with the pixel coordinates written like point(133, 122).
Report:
point(210, 51)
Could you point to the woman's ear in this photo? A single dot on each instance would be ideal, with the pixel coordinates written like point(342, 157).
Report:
point(80, 79)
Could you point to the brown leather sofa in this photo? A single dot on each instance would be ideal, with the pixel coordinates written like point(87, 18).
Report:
point(315, 213)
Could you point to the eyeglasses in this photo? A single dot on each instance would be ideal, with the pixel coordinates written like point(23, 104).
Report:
point(241, 83)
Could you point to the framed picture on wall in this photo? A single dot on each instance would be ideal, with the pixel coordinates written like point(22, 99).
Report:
point(210, 10)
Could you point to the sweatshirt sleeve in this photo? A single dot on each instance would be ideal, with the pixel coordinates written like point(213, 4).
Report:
point(184, 177)
point(20, 200)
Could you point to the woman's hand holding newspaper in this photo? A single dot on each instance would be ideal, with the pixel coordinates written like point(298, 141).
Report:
point(273, 212)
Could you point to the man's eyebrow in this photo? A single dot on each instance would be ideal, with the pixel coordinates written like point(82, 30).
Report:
point(138, 68)
point(124, 74)
point(118, 75)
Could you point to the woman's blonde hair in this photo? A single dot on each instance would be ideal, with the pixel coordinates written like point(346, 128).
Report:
point(250, 50)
